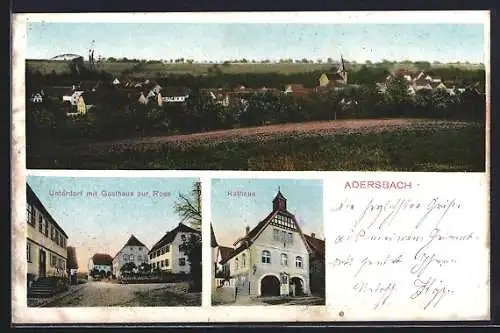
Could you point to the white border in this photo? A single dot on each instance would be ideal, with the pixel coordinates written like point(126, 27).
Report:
point(22, 314)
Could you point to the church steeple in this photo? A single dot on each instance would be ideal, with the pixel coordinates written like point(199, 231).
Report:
point(279, 201)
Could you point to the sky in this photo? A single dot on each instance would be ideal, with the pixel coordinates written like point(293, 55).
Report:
point(231, 214)
point(444, 42)
point(104, 224)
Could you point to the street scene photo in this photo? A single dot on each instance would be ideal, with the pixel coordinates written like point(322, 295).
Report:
point(267, 242)
point(256, 96)
point(103, 242)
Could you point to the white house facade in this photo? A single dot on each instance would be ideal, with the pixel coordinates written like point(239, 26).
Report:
point(133, 251)
point(101, 262)
point(168, 255)
point(46, 241)
point(272, 259)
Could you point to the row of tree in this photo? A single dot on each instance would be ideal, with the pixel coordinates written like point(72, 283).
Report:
point(217, 78)
point(201, 113)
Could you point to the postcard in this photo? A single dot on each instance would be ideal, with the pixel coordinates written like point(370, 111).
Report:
point(250, 167)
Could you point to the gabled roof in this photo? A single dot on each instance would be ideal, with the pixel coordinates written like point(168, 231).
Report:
point(132, 241)
point(33, 199)
point(170, 236)
point(225, 252)
point(102, 259)
point(248, 239)
point(316, 244)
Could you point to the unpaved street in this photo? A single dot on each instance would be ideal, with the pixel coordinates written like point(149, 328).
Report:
point(110, 294)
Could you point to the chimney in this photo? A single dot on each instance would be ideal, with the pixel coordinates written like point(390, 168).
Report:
point(247, 230)
point(313, 235)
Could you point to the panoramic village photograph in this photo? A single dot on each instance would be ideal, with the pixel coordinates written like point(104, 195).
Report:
point(267, 240)
point(104, 242)
point(253, 96)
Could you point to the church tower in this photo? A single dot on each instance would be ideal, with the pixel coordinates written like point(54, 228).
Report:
point(279, 202)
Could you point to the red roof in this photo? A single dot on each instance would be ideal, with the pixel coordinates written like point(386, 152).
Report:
point(102, 259)
point(225, 252)
point(316, 244)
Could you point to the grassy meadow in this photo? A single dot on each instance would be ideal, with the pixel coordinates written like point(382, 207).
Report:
point(152, 70)
point(433, 148)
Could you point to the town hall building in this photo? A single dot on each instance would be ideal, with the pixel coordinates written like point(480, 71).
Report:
point(272, 259)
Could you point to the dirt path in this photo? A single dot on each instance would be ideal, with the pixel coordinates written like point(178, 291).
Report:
point(100, 293)
point(316, 127)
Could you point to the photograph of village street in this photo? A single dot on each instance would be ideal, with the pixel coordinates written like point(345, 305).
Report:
point(113, 242)
point(255, 96)
point(268, 246)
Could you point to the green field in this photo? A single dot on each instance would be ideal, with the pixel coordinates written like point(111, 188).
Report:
point(160, 69)
point(433, 148)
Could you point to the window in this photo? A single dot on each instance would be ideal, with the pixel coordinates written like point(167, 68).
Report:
point(284, 259)
point(151, 256)
point(236, 263)
point(131, 257)
point(162, 263)
point(40, 223)
point(182, 261)
point(28, 251)
point(131, 249)
point(243, 260)
point(290, 238)
point(283, 236)
point(46, 231)
point(30, 214)
point(266, 257)
point(64, 242)
point(167, 249)
point(180, 247)
point(52, 232)
point(53, 260)
point(162, 251)
point(125, 257)
point(140, 248)
point(298, 262)
point(56, 237)
point(139, 257)
point(166, 262)
point(183, 237)
point(276, 234)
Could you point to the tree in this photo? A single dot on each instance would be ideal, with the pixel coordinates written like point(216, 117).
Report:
point(192, 249)
point(128, 267)
point(188, 206)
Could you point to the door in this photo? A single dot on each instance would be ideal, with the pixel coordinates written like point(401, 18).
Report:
point(42, 265)
point(270, 286)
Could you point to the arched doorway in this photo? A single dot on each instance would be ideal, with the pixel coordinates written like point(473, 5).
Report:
point(299, 285)
point(270, 286)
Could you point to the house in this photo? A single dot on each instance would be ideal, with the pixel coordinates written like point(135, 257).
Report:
point(102, 262)
point(297, 90)
point(175, 94)
point(37, 97)
point(134, 251)
point(316, 264)
point(46, 252)
point(334, 78)
point(272, 259)
point(167, 254)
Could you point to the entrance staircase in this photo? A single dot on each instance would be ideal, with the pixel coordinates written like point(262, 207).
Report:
point(42, 287)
